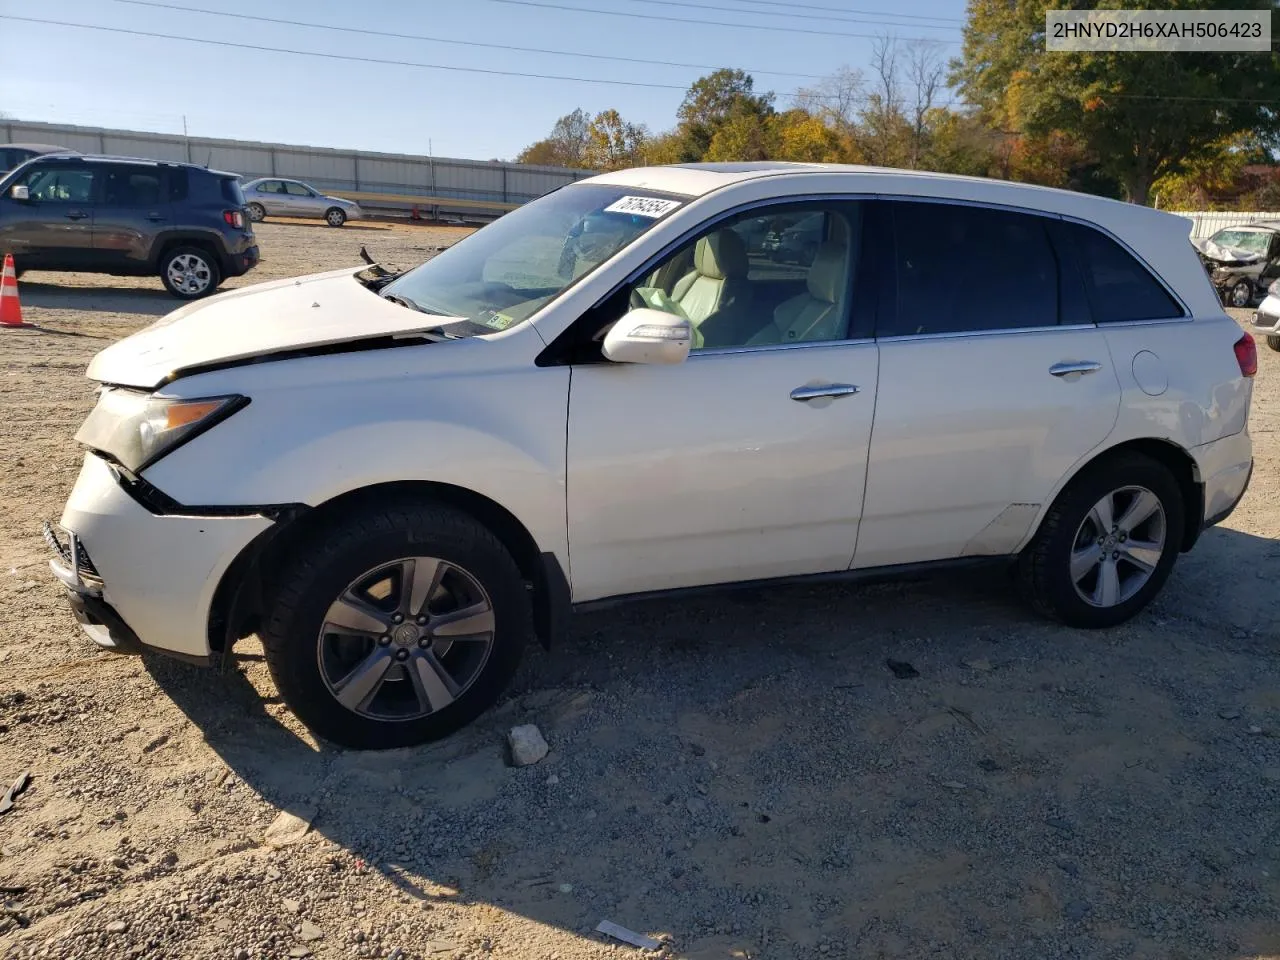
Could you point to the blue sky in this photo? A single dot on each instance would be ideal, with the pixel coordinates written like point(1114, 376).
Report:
point(59, 73)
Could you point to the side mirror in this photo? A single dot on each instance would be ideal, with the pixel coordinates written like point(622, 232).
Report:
point(648, 336)
point(21, 192)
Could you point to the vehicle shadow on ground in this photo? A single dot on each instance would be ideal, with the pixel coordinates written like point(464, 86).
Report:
point(98, 299)
point(746, 772)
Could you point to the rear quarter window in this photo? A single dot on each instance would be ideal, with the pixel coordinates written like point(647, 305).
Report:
point(231, 192)
point(1118, 286)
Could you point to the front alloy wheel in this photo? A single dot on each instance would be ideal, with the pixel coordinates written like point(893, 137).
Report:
point(394, 624)
point(406, 640)
point(1241, 293)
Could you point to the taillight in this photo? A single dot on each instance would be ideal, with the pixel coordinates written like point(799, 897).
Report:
point(1247, 355)
point(234, 218)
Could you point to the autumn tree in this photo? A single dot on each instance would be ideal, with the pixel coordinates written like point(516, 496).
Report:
point(566, 146)
point(613, 143)
point(723, 99)
point(1141, 116)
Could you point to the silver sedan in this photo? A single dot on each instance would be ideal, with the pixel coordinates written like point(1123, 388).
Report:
point(276, 197)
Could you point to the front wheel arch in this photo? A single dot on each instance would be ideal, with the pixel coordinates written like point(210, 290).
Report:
point(246, 588)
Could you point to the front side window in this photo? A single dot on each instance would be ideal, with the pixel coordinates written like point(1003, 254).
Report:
point(774, 275)
point(497, 277)
point(962, 269)
point(57, 184)
point(298, 190)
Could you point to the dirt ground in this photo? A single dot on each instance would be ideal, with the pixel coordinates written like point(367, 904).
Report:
point(740, 776)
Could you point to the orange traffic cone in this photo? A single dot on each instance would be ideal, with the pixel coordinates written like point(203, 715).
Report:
point(10, 308)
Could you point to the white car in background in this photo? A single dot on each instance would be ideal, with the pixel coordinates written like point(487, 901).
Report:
point(278, 197)
point(396, 480)
point(1266, 319)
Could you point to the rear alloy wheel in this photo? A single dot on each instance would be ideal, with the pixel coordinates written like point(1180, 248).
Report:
point(335, 217)
point(1273, 341)
point(189, 273)
point(396, 627)
point(1107, 544)
point(1240, 294)
point(257, 212)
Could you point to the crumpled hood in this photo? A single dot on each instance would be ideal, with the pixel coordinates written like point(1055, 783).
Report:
point(1216, 251)
point(274, 317)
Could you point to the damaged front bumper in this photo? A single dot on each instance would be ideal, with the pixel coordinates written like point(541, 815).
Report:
point(138, 579)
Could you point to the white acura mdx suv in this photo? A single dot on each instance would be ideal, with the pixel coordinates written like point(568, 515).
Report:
point(395, 478)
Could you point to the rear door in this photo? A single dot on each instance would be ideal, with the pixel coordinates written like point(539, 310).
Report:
point(54, 226)
point(270, 193)
point(994, 382)
point(133, 209)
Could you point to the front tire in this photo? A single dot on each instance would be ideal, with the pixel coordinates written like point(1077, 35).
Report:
point(335, 217)
point(396, 626)
point(1273, 341)
point(190, 273)
point(1240, 294)
point(1107, 545)
point(257, 212)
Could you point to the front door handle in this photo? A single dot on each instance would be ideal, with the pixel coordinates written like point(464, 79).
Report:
point(156, 216)
point(76, 214)
point(1075, 366)
point(825, 390)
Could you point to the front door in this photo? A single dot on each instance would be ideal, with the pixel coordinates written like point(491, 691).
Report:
point(747, 460)
point(133, 208)
point(300, 201)
point(994, 383)
point(53, 228)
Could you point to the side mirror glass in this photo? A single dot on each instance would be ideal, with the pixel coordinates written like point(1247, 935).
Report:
point(21, 192)
point(648, 336)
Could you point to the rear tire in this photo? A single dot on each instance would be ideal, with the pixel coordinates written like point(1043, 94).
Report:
point(381, 562)
point(335, 217)
point(190, 273)
point(257, 212)
point(1082, 572)
point(1273, 340)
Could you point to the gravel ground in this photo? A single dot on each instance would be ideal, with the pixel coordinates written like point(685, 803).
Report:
point(740, 776)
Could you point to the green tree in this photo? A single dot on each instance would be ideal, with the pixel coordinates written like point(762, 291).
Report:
point(1142, 116)
point(714, 101)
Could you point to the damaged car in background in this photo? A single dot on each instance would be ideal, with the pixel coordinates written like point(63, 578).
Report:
point(1242, 261)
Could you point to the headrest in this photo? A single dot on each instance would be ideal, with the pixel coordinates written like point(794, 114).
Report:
point(827, 275)
point(719, 255)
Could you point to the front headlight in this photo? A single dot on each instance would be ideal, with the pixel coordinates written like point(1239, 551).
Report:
point(137, 429)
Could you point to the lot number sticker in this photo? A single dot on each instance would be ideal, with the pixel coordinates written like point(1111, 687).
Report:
point(642, 206)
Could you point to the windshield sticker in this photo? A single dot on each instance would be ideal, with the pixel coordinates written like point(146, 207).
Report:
point(642, 206)
point(499, 321)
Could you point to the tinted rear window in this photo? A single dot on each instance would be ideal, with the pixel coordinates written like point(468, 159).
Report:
point(1119, 287)
point(962, 269)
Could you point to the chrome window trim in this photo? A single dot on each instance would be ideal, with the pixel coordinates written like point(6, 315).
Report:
point(958, 334)
point(769, 347)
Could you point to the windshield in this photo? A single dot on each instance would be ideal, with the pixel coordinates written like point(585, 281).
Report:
point(498, 276)
point(1251, 241)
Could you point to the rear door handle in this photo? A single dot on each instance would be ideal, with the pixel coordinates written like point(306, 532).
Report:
point(1075, 366)
point(76, 214)
point(156, 216)
point(825, 390)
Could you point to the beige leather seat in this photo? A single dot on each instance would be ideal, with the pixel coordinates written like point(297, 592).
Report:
point(818, 313)
point(718, 278)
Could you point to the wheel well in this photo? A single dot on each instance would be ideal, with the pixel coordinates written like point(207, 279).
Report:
point(248, 585)
point(199, 243)
point(1183, 468)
